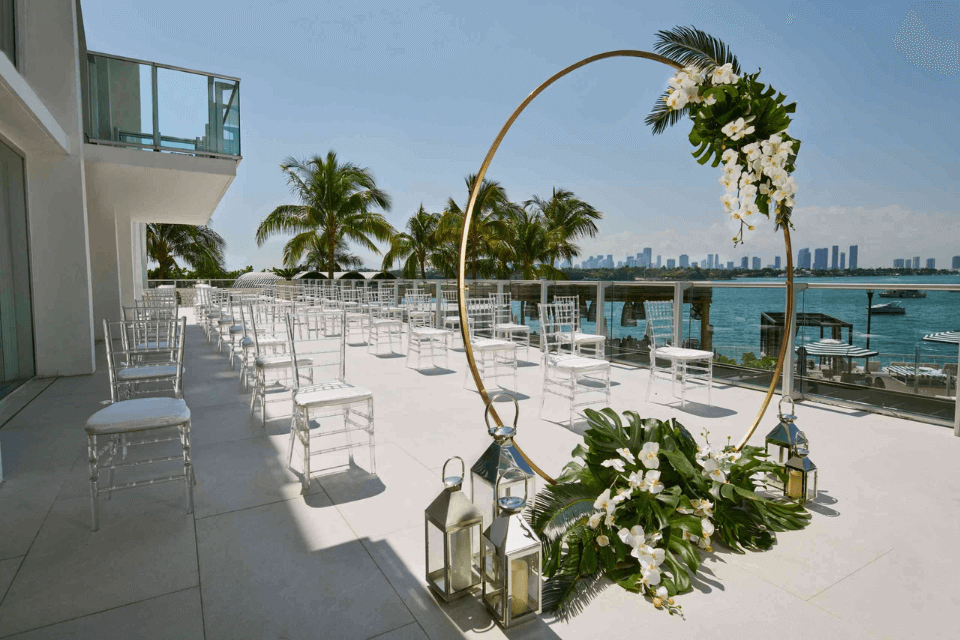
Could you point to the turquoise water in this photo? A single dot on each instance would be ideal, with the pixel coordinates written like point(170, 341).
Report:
point(735, 316)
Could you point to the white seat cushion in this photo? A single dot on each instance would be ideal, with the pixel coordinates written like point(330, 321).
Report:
point(225, 320)
point(677, 353)
point(139, 414)
point(330, 393)
point(275, 362)
point(511, 326)
point(152, 345)
point(387, 322)
point(129, 374)
point(568, 362)
point(490, 344)
point(430, 332)
point(581, 338)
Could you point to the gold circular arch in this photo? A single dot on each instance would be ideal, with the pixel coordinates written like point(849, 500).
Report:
point(468, 218)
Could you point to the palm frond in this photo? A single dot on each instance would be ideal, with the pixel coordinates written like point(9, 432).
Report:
point(662, 116)
point(567, 596)
point(689, 46)
point(558, 506)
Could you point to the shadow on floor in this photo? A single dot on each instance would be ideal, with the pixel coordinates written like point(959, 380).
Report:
point(823, 505)
point(435, 371)
point(353, 482)
point(706, 411)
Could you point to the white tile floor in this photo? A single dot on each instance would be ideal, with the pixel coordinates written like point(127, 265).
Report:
point(259, 559)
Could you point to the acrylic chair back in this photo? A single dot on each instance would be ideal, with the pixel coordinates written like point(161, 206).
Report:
point(659, 322)
point(574, 303)
point(557, 324)
point(480, 314)
point(125, 348)
point(316, 356)
point(502, 308)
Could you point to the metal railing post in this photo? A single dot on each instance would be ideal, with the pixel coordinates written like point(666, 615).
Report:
point(790, 359)
point(601, 316)
point(156, 109)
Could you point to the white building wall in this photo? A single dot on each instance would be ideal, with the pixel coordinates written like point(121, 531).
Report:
point(56, 199)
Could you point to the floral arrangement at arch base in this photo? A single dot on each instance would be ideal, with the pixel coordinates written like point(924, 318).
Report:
point(640, 502)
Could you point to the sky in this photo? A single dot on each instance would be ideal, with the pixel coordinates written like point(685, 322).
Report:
point(417, 93)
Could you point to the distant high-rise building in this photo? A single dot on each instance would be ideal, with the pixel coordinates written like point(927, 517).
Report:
point(756, 263)
point(955, 264)
point(694, 264)
point(834, 263)
point(716, 261)
point(803, 259)
point(671, 263)
point(708, 263)
point(853, 256)
point(898, 263)
point(684, 261)
point(776, 262)
point(916, 262)
point(648, 256)
point(631, 261)
point(931, 263)
point(730, 265)
point(820, 258)
point(609, 261)
point(619, 263)
point(745, 262)
point(658, 262)
point(843, 261)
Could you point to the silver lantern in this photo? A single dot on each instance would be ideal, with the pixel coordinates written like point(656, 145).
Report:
point(801, 483)
point(782, 442)
point(452, 526)
point(511, 556)
point(499, 457)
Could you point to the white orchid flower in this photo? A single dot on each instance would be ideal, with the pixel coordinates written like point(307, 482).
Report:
point(662, 593)
point(694, 73)
point(604, 502)
point(730, 202)
point(746, 178)
point(635, 479)
point(648, 455)
point(616, 463)
point(712, 468)
point(627, 455)
point(764, 188)
point(711, 99)
point(748, 192)
point(621, 496)
point(704, 542)
point(702, 508)
point(750, 209)
point(724, 75)
point(736, 215)
point(603, 540)
point(608, 521)
point(652, 483)
point(732, 128)
point(707, 526)
point(729, 182)
point(632, 537)
point(690, 537)
point(733, 456)
point(677, 100)
point(729, 156)
point(594, 520)
point(651, 577)
point(732, 169)
point(752, 151)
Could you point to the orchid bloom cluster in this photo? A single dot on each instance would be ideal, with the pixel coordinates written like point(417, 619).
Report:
point(644, 478)
point(758, 168)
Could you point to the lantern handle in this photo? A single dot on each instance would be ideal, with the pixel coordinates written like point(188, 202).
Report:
point(463, 467)
point(486, 411)
point(515, 473)
point(793, 406)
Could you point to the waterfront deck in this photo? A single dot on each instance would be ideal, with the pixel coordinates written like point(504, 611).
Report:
point(259, 560)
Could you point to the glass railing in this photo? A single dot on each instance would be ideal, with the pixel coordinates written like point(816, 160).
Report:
point(892, 369)
point(156, 107)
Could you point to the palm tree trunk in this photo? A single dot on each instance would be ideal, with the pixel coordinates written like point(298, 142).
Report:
point(331, 256)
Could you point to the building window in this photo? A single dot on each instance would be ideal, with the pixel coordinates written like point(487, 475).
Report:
point(8, 31)
point(16, 315)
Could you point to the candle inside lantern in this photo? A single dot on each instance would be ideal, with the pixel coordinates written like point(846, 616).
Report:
point(795, 484)
point(519, 587)
point(461, 571)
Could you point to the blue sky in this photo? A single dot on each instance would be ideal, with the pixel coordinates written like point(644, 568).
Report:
point(417, 92)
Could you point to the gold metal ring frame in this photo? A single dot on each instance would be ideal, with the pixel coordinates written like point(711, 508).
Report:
point(468, 217)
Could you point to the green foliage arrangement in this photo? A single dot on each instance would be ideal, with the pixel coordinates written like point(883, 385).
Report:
point(639, 503)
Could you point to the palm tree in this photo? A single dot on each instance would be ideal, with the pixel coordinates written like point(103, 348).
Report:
point(530, 249)
point(286, 273)
point(566, 219)
point(337, 201)
point(199, 246)
point(343, 260)
point(488, 230)
point(415, 246)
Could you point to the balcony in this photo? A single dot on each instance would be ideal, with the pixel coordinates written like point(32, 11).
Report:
point(188, 120)
point(157, 107)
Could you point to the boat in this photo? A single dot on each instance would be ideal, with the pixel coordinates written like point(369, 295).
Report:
point(903, 293)
point(888, 308)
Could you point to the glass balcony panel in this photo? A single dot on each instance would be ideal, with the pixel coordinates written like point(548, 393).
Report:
point(8, 29)
point(148, 106)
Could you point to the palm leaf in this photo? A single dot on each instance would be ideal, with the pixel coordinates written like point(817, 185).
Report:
point(689, 46)
point(559, 506)
point(662, 116)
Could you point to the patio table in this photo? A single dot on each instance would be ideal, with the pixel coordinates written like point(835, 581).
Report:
point(950, 337)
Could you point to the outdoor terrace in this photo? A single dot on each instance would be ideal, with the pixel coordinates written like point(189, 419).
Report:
point(259, 560)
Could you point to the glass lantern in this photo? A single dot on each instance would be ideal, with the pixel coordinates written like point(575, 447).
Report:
point(499, 457)
point(782, 441)
point(512, 585)
point(801, 483)
point(452, 526)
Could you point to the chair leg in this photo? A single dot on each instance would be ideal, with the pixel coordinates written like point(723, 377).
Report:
point(373, 442)
point(710, 383)
point(187, 464)
point(683, 384)
point(94, 477)
point(653, 371)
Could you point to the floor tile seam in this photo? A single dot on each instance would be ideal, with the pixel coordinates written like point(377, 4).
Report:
point(7, 590)
point(86, 615)
point(413, 616)
point(852, 573)
point(196, 543)
point(27, 403)
point(403, 626)
point(257, 506)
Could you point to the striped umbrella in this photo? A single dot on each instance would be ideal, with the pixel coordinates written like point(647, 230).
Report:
point(949, 337)
point(832, 348)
